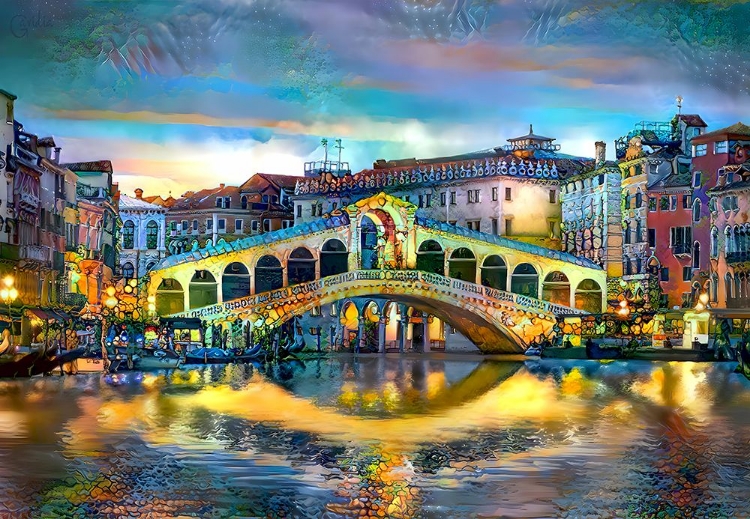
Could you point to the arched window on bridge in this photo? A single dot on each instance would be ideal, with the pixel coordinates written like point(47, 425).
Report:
point(589, 296)
point(556, 288)
point(495, 272)
point(235, 282)
point(525, 280)
point(301, 266)
point(463, 265)
point(268, 274)
point(202, 289)
point(431, 258)
point(334, 258)
point(170, 297)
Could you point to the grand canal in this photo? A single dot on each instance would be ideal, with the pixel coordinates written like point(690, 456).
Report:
point(386, 436)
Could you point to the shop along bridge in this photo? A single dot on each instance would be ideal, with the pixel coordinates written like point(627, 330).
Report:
point(499, 293)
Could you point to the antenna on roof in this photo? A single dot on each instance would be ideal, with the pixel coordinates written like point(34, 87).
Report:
point(679, 105)
point(339, 147)
point(324, 142)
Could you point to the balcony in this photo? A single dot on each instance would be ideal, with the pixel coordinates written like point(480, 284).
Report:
point(681, 249)
point(738, 257)
point(35, 252)
point(94, 193)
point(339, 169)
point(738, 302)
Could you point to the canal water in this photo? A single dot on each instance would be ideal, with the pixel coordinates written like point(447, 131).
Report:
point(434, 435)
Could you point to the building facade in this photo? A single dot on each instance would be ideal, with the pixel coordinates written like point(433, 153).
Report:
point(510, 191)
point(142, 240)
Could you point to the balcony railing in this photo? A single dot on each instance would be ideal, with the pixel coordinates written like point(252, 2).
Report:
point(35, 252)
point(738, 302)
point(737, 257)
point(84, 191)
point(681, 248)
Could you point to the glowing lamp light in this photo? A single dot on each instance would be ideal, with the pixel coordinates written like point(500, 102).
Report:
point(703, 298)
point(13, 293)
point(111, 291)
point(8, 281)
point(700, 307)
point(623, 310)
point(111, 301)
point(151, 299)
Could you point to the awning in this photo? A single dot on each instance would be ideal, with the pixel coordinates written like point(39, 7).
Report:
point(48, 314)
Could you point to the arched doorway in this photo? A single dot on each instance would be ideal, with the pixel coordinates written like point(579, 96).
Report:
point(170, 297)
point(334, 258)
point(301, 266)
point(202, 289)
point(371, 337)
point(525, 280)
point(463, 265)
point(556, 289)
point(268, 274)
point(430, 257)
point(589, 296)
point(377, 241)
point(235, 282)
point(495, 272)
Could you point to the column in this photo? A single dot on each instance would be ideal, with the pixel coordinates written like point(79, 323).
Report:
point(381, 335)
point(403, 324)
point(425, 334)
point(360, 336)
point(219, 291)
point(284, 275)
point(509, 275)
point(573, 286)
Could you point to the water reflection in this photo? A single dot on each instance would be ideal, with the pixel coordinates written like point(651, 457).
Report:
point(423, 436)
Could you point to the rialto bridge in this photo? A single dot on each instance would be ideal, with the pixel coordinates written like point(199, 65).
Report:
point(386, 266)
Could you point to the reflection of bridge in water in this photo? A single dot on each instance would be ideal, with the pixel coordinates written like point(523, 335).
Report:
point(391, 268)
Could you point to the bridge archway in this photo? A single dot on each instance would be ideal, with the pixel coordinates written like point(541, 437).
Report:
point(235, 282)
point(463, 265)
point(495, 272)
point(588, 296)
point(349, 321)
point(170, 297)
point(301, 266)
point(203, 289)
point(556, 288)
point(334, 258)
point(378, 244)
point(391, 319)
point(525, 280)
point(269, 275)
point(371, 326)
point(431, 257)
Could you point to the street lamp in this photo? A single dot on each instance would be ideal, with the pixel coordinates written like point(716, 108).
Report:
point(702, 302)
point(9, 294)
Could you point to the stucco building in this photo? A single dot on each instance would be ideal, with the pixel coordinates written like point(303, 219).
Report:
point(142, 240)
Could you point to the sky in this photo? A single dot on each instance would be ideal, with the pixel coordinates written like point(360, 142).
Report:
point(183, 95)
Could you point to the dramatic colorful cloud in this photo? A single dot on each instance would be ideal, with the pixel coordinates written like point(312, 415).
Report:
point(176, 90)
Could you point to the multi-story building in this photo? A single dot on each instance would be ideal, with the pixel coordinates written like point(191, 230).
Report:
point(142, 240)
point(511, 191)
point(591, 214)
point(719, 174)
point(268, 201)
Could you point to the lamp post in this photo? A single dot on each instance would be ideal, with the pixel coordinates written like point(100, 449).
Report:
point(110, 302)
point(9, 294)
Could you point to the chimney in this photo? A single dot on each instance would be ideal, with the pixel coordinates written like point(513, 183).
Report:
point(221, 186)
point(601, 152)
point(139, 193)
point(56, 156)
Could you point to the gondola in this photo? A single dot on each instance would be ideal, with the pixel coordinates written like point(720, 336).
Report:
point(208, 356)
point(153, 359)
point(254, 354)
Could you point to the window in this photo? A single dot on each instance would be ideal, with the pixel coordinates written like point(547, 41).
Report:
point(238, 225)
point(452, 222)
point(495, 229)
point(442, 199)
point(128, 271)
point(254, 225)
point(638, 199)
point(219, 201)
point(699, 150)
point(473, 196)
point(508, 227)
point(696, 210)
point(720, 147)
point(552, 196)
point(243, 202)
point(209, 225)
point(266, 225)
point(264, 199)
point(652, 203)
point(299, 210)
point(626, 234)
point(274, 199)
point(314, 210)
point(664, 203)
point(508, 194)
point(473, 224)
point(714, 242)
point(697, 179)
point(453, 198)
point(184, 225)
point(626, 201)
point(128, 235)
point(681, 239)
point(407, 198)
point(286, 224)
point(729, 203)
point(686, 201)
point(552, 228)
point(152, 235)
point(222, 224)
point(195, 225)
point(494, 194)
point(730, 177)
point(421, 201)
point(664, 274)
point(428, 200)
point(672, 202)
point(652, 238)
point(687, 273)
